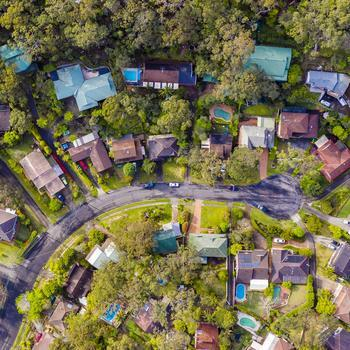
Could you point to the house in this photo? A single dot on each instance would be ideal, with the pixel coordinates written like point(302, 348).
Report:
point(271, 342)
point(91, 146)
point(160, 75)
point(335, 157)
point(144, 318)
point(298, 124)
point(209, 245)
point(15, 57)
point(86, 86)
point(220, 144)
point(262, 135)
point(329, 83)
point(161, 147)
point(4, 118)
point(165, 241)
point(127, 149)
point(101, 256)
point(342, 302)
point(8, 224)
point(287, 266)
point(252, 268)
point(273, 61)
point(62, 310)
point(43, 174)
point(44, 342)
point(340, 261)
point(339, 340)
point(79, 282)
point(206, 337)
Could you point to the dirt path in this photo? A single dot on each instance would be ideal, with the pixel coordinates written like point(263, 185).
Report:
point(264, 159)
point(195, 226)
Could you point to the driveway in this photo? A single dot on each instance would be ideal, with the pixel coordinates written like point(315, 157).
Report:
point(263, 162)
point(279, 194)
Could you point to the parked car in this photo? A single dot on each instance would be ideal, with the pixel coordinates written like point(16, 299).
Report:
point(149, 185)
point(64, 180)
point(261, 207)
point(174, 184)
point(346, 222)
point(65, 146)
point(279, 240)
point(83, 165)
point(331, 246)
point(335, 243)
point(60, 197)
point(233, 188)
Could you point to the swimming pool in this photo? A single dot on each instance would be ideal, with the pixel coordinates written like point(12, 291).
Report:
point(132, 75)
point(247, 322)
point(220, 113)
point(276, 293)
point(111, 313)
point(240, 292)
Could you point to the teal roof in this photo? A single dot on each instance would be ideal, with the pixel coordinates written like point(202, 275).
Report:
point(209, 245)
point(69, 81)
point(15, 57)
point(165, 242)
point(274, 61)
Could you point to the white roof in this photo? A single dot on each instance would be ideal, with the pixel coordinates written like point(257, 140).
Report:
point(321, 141)
point(111, 252)
point(85, 139)
point(97, 257)
point(258, 284)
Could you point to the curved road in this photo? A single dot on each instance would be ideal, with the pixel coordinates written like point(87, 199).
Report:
point(280, 195)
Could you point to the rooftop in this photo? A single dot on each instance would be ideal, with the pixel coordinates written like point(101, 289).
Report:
point(209, 245)
point(341, 262)
point(165, 242)
point(101, 256)
point(339, 340)
point(4, 118)
point(62, 309)
point(207, 337)
point(127, 149)
point(221, 144)
point(8, 224)
point(255, 136)
point(161, 147)
point(79, 281)
point(342, 302)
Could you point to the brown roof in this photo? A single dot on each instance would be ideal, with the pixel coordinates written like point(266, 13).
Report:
point(96, 151)
point(4, 118)
point(79, 281)
point(283, 345)
point(38, 169)
point(207, 337)
point(289, 267)
point(336, 159)
point(127, 150)
point(252, 264)
point(220, 144)
point(302, 125)
point(144, 318)
point(44, 342)
point(162, 146)
point(162, 76)
point(62, 309)
point(342, 301)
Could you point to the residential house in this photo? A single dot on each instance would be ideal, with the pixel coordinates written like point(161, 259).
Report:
point(262, 135)
point(273, 61)
point(271, 342)
point(43, 174)
point(165, 241)
point(44, 342)
point(252, 268)
point(8, 224)
point(86, 86)
point(209, 245)
point(329, 84)
point(79, 282)
point(127, 149)
point(160, 75)
point(339, 340)
point(342, 302)
point(62, 310)
point(335, 157)
point(15, 57)
point(206, 337)
point(287, 266)
point(220, 144)
point(4, 118)
point(298, 124)
point(91, 146)
point(340, 261)
point(99, 256)
point(161, 147)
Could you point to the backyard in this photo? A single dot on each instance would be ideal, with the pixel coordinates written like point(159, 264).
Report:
point(255, 303)
point(296, 298)
point(262, 110)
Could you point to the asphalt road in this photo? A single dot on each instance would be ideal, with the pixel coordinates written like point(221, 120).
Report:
point(280, 195)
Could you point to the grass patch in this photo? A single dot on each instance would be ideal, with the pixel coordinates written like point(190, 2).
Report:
point(19, 151)
point(345, 211)
point(142, 177)
point(173, 172)
point(9, 253)
point(23, 334)
point(255, 303)
point(214, 203)
point(323, 254)
point(213, 216)
point(297, 297)
point(260, 110)
point(114, 181)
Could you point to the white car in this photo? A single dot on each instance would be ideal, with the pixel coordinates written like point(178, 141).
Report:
point(279, 240)
point(346, 222)
point(174, 184)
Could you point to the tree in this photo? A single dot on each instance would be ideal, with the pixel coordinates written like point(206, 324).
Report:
point(311, 183)
point(129, 169)
point(298, 232)
point(313, 224)
point(324, 304)
point(19, 121)
point(224, 318)
point(295, 74)
point(287, 284)
point(235, 248)
point(148, 166)
point(337, 232)
point(95, 237)
point(55, 205)
point(11, 138)
point(340, 132)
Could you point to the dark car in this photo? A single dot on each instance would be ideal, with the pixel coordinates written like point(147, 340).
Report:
point(233, 188)
point(149, 186)
point(60, 197)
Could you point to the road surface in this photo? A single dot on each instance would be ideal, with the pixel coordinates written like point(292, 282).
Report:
point(280, 195)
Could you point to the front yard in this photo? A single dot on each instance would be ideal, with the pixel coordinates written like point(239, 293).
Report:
point(323, 254)
point(214, 215)
point(173, 172)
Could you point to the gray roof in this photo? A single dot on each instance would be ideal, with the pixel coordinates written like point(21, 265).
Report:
point(336, 83)
point(339, 340)
point(209, 245)
point(341, 263)
point(255, 136)
point(162, 146)
point(4, 118)
point(252, 264)
point(8, 224)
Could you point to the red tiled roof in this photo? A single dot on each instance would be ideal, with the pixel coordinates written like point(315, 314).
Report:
point(162, 76)
point(207, 337)
point(303, 125)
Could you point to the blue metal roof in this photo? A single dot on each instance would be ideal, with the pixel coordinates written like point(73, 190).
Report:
point(15, 57)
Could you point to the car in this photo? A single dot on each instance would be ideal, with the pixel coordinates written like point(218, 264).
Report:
point(233, 188)
point(331, 246)
point(65, 146)
point(335, 243)
point(326, 103)
point(64, 180)
point(261, 207)
point(60, 197)
point(174, 184)
point(83, 165)
point(346, 222)
point(279, 240)
point(149, 185)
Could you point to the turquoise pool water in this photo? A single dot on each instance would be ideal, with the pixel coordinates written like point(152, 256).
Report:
point(111, 313)
point(276, 293)
point(131, 75)
point(220, 113)
point(247, 322)
point(240, 292)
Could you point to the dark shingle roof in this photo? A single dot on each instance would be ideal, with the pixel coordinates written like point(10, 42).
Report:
point(79, 281)
point(252, 264)
point(342, 261)
point(8, 223)
point(339, 340)
point(162, 146)
point(4, 118)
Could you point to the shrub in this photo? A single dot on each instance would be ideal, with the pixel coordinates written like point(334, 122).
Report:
point(95, 237)
point(287, 284)
point(55, 205)
point(295, 74)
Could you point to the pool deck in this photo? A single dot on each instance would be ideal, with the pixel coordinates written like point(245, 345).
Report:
point(222, 106)
point(241, 315)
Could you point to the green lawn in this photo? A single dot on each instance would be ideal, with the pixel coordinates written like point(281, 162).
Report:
point(19, 151)
point(173, 172)
point(142, 177)
point(255, 303)
point(9, 253)
point(296, 298)
point(136, 333)
point(323, 255)
point(214, 215)
point(260, 110)
point(345, 210)
point(115, 181)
